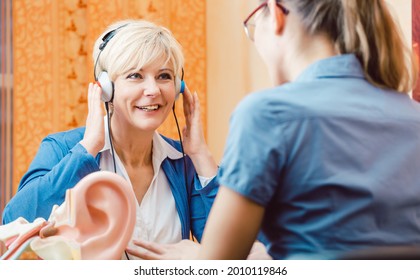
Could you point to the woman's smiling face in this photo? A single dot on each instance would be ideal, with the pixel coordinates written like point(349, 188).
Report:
point(144, 97)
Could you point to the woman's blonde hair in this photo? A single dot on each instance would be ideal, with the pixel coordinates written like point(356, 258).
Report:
point(367, 29)
point(135, 44)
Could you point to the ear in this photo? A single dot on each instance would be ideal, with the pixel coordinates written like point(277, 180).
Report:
point(96, 220)
point(107, 225)
point(277, 16)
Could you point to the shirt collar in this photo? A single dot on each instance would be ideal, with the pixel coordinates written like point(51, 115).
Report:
point(161, 148)
point(346, 65)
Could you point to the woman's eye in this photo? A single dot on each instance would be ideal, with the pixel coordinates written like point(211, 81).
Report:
point(134, 76)
point(165, 76)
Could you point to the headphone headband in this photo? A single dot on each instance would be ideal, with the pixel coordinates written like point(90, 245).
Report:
point(108, 36)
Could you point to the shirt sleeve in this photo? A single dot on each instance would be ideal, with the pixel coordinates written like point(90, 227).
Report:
point(253, 156)
point(201, 201)
point(53, 171)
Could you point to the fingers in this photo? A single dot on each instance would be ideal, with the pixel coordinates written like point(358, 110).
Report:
point(196, 102)
point(96, 96)
point(185, 249)
point(93, 139)
point(148, 250)
point(150, 246)
point(188, 106)
point(194, 118)
point(187, 102)
point(191, 105)
point(145, 255)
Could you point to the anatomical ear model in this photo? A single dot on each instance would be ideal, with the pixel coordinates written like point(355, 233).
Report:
point(95, 221)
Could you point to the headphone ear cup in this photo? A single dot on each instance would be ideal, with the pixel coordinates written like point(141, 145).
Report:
point(182, 87)
point(179, 87)
point(107, 86)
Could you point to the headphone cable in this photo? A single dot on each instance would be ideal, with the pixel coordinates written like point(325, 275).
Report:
point(110, 137)
point(183, 153)
point(182, 147)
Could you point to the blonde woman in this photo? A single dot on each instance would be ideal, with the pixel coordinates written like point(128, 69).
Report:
point(143, 63)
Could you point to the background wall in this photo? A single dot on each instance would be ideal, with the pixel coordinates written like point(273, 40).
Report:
point(233, 66)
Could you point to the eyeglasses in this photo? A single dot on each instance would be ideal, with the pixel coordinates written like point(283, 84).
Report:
point(249, 23)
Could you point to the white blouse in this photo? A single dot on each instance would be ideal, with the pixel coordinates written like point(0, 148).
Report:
point(157, 219)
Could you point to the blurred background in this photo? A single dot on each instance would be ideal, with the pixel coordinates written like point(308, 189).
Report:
point(46, 64)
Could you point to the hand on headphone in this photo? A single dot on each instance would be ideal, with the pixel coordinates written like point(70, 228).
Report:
point(94, 139)
point(195, 145)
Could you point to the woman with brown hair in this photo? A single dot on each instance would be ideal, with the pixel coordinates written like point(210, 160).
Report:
point(328, 160)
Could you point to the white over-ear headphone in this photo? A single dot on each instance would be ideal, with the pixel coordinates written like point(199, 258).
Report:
point(108, 86)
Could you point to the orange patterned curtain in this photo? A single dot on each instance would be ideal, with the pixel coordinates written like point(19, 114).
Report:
point(53, 65)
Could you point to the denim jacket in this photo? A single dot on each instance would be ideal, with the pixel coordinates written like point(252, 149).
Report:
point(61, 162)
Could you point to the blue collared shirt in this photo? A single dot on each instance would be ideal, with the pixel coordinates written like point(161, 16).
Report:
point(334, 160)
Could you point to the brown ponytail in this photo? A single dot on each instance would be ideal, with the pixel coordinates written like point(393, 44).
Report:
point(370, 32)
point(367, 29)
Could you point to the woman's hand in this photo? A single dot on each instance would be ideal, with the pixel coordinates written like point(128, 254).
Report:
point(193, 137)
point(183, 250)
point(94, 138)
